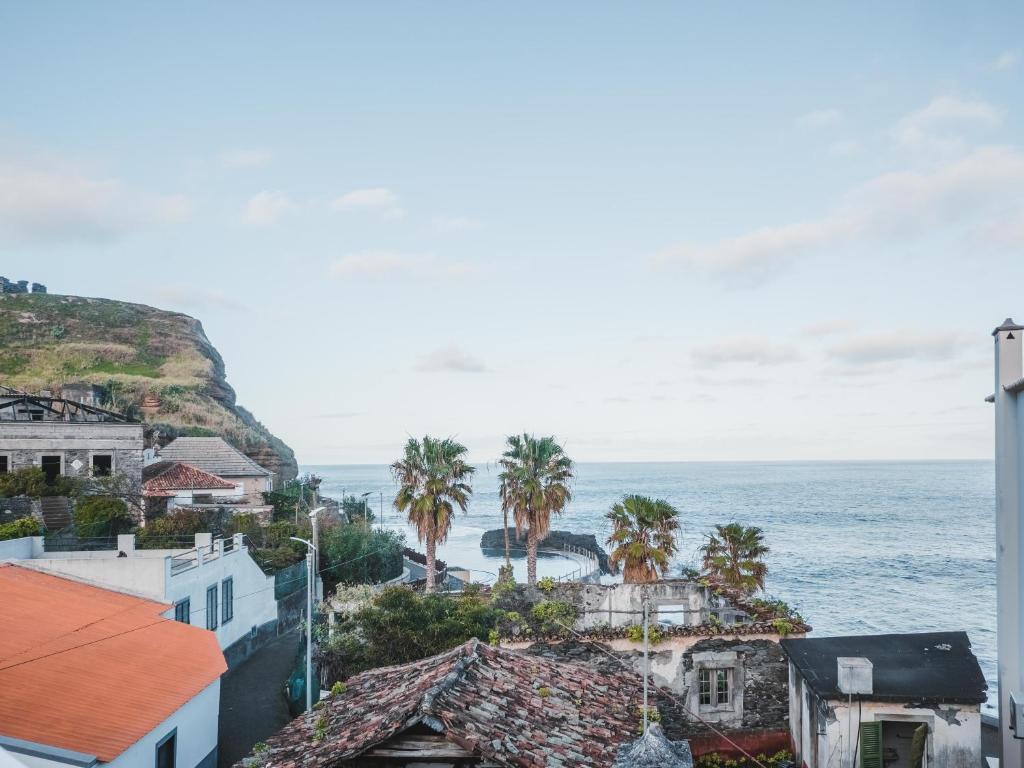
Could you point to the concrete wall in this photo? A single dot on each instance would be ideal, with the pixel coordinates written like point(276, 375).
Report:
point(21, 549)
point(954, 739)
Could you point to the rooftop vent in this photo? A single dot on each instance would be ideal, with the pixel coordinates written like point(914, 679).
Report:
point(855, 675)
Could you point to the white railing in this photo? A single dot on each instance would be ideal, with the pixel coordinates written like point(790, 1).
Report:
point(204, 553)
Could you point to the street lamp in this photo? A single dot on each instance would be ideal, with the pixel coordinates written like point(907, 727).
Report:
point(310, 549)
point(318, 582)
point(366, 507)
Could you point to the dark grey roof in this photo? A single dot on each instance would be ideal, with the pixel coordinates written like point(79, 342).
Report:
point(1008, 325)
point(213, 455)
point(654, 750)
point(925, 667)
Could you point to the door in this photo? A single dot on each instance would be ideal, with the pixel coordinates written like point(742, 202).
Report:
point(51, 468)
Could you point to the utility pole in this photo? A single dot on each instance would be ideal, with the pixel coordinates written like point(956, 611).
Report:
point(310, 549)
point(647, 659)
point(318, 584)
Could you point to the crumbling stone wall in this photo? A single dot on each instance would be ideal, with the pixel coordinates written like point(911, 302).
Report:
point(765, 693)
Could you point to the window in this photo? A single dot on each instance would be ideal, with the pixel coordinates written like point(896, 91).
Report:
point(228, 600)
point(5, 465)
point(166, 749)
point(183, 611)
point(102, 465)
point(211, 607)
point(714, 686)
point(51, 466)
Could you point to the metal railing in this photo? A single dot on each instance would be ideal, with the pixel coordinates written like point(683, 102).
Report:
point(592, 566)
point(205, 553)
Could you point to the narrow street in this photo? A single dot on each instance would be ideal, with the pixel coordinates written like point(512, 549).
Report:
point(252, 700)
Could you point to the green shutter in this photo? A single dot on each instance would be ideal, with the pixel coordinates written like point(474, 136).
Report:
point(871, 745)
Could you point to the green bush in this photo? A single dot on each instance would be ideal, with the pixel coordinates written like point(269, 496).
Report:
point(715, 760)
point(357, 554)
point(17, 529)
point(31, 482)
point(102, 516)
point(546, 585)
point(402, 626)
point(552, 617)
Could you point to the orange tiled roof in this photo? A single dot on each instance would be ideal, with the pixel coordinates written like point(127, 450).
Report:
point(91, 670)
point(165, 477)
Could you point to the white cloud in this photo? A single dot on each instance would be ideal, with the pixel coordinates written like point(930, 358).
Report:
point(749, 350)
point(454, 224)
point(828, 327)
point(898, 346)
point(936, 127)
point(820, 118)
point(450, 359)
point(905, 203)
point(380, 199)
point(1006, 61)
point(1004, 229)
point(244, 158)
point(50, 203)
point(266, 208)
point(376, 263)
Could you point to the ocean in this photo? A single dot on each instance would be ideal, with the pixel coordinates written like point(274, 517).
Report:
point(856, 547)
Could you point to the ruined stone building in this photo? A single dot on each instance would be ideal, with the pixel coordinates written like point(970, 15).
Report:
point(717, 655)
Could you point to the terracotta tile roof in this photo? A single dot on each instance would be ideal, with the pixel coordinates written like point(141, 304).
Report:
point(164, 477)
point(485, 699)
point(90, 670)
point(212, 454)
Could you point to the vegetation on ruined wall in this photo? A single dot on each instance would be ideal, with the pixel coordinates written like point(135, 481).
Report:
point(402, 625)
point(131, 350)
point(715, 760)
point(31, 482)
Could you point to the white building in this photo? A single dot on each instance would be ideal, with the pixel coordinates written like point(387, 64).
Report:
point(1009, 383)
point(213, 455)
point(215, 585)
point(91, 676)
point(926, 685)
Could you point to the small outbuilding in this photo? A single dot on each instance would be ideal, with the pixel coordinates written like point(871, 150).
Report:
point(886, 701)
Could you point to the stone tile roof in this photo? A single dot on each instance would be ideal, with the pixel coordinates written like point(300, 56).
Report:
point(511, 708)
point(165, 477)
point(212, 454)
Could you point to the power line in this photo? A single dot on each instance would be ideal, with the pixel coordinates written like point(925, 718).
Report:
point(83, 645)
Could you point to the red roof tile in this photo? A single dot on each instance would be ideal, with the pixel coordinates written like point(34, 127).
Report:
point(91, 670)
point(491, 701)
point(168, 476)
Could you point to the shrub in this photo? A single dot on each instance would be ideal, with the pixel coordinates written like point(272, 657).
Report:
point(17, 529)
point(102, 516)
point(357, 554)
point(31, 482)
point(783, 627)
point(338, 687)
point(552, 617)
point(636, 634)
point(715, 760)
point(546, 585)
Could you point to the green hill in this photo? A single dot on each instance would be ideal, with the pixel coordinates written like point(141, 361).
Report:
point(157, 365)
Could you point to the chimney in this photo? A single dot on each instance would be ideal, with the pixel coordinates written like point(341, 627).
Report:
point(1009, 532)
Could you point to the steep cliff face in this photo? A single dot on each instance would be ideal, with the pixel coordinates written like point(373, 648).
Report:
point(157, 365)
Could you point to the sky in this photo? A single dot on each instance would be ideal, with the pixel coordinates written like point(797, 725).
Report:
point(658, 231)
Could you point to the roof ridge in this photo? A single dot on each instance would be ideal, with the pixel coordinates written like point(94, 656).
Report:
point(469, 656)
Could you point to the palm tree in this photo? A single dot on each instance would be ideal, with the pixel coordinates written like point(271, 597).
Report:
point(734, 556)
point(433, 478)
point(644, 536)
point(535, 475)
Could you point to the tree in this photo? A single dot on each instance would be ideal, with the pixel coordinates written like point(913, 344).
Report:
point(644, 537)
point(433, 479)
point(734, 556)
point(102, 516)
point(535, 475)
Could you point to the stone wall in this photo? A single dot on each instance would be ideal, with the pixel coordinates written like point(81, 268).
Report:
point(18, 507)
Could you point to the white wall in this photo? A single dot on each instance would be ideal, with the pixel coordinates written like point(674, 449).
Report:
point(196, 722)
point(954, 739)
point(20, 549)
point(254, 602)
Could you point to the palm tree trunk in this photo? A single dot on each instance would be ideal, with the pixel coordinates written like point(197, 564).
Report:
point(531, 556)
point(431, 559)
point(504, 516)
